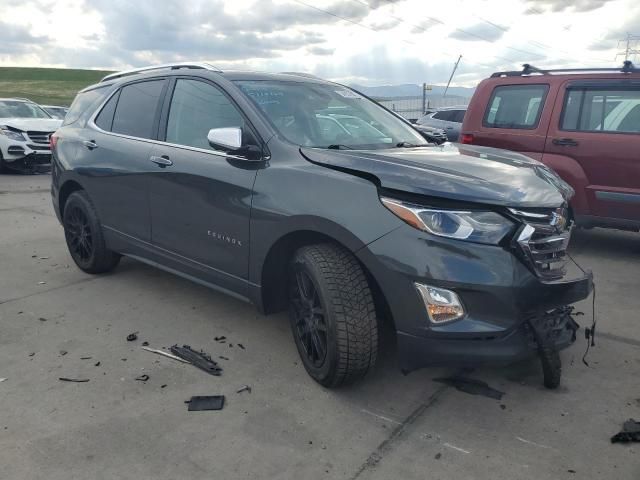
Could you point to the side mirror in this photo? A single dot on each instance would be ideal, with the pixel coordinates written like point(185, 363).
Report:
point(229, 138)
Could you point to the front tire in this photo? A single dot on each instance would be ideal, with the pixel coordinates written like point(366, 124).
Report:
point(332, 314)
point(83, 233)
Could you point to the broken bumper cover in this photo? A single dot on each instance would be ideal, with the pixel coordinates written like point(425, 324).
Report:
point(502, 298)
point(24, 158)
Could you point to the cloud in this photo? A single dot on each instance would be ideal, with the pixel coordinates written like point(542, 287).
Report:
point(18, 39)
point(320, 50)
point(539, 7)
point(478, 32)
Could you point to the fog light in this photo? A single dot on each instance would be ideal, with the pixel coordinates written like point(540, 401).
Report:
point(442, 305)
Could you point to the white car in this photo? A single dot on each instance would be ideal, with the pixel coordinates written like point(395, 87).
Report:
point(25, 129)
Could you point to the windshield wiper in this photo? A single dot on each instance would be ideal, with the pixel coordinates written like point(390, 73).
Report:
point(406, 145)
point(338, 146)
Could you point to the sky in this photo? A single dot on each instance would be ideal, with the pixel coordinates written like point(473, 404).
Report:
point(368, 42)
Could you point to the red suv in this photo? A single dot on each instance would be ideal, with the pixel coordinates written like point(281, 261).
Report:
point(583, 123)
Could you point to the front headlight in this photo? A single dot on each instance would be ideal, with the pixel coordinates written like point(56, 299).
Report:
point(473, 226)
point(12, 134)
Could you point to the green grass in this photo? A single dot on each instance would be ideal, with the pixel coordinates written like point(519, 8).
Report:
point(47, 86)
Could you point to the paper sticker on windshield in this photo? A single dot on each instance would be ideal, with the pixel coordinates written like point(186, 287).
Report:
point(348, 94)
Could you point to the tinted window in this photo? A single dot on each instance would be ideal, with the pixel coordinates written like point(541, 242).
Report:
point(515, 106)
point(83, 102)
point(136, 109)
point(597, 110)
point(459, 116)
point(446, 115)
point(196, 108)
point(104, 120)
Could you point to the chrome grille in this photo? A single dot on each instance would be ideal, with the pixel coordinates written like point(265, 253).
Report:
point(543, 240)
point(39, 137)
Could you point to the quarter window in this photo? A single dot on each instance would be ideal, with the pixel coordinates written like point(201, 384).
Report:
point(515, 106)
point(137, 107)
point(104, 120)
point(602, 110)
point(196, 108)
point(445, 115)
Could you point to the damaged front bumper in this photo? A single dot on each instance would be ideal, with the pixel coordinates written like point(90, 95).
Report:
point(27, 158)
point(509, 311)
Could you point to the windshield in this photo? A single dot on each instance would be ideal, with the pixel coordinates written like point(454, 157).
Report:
point(328, 116)
point(18, 109)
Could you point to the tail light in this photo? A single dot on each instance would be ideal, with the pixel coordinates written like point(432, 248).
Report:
point(53, 141)
point(466, 138)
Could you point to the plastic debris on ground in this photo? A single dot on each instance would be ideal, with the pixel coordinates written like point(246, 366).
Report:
point(201, 403)
point(164, 354)
point(630, 432)
point(76, 380)
point(471, 386)
point(199, 359)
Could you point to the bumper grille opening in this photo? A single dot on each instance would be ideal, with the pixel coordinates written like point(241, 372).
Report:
point(39, 137)
point(543, 240)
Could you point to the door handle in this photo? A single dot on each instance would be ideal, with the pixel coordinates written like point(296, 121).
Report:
point(162, 161)
point(90, 144)
point(565, 142)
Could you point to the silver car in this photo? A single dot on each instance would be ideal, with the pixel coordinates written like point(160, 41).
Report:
point(448, 119)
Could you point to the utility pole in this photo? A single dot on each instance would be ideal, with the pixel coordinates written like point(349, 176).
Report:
point(631, 47)
point(424, 98)
point(455, 67)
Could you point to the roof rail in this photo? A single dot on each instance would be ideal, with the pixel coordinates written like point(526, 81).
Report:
point(303, 74)
point(166, 66)
point(627, 67)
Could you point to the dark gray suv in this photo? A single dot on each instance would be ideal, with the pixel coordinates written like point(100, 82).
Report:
point(293, 192)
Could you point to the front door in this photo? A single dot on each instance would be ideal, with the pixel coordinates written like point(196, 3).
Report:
point(599, 129)
point(200, 197)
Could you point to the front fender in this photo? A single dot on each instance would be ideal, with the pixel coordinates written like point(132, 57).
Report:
point(572, 173)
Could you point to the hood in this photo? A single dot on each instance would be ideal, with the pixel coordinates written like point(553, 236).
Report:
point(456, 172)
point(36, 124)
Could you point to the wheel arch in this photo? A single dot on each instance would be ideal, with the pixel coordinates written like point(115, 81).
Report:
point(274, 271)
point(67, 188)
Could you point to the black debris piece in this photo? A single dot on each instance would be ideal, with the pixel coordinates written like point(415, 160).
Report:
point(199, 359)
point(145, 344)
point(63, 353)
point(231, 345)
point(20, 312)
point(241, 346)
point(132, 337)
point(142, 378)
point(571, 470)
point(97, 364)
point(123, 359)
point(470, 385)
point(438, 456)
point(42, 319)
point(76, 380)
point(503, 406)
point(86, 358)
point(244, 388)
point(630, 432)
point(222, 357)
point(220, 339)
point(163, 385)
point(199, 403)
point(32, 354)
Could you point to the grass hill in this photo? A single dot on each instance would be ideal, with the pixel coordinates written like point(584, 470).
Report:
point(47, 86)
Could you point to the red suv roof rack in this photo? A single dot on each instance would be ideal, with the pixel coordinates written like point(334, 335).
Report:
point(627, 67)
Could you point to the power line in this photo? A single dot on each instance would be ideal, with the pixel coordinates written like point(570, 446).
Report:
point(631, 46)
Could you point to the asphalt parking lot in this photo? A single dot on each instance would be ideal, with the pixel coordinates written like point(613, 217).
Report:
point(389, 426)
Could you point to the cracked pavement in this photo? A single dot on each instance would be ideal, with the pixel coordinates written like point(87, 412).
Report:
point(288, 427)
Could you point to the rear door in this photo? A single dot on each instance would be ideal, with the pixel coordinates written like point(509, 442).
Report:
point(116, 146)
point(598, 127)
point(516, 118)
point(201, 199)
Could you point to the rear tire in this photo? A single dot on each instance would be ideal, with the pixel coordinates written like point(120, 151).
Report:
point(332, 314)
point(84, 236)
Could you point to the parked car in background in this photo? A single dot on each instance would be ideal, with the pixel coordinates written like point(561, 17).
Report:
point(25, 129)
point(432, 134)
point(585, 124)
point(448, 119)
point(242, 182)
point(56, 111)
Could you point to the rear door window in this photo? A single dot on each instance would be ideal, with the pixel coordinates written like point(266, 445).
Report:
point(83, 102)
point(104, 120)
point(135, 113)
point(459, 116)
point(602, 110)
point(515, 106)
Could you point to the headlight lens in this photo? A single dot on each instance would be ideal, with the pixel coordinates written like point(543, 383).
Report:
point(13, 135)
point(474, 226)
